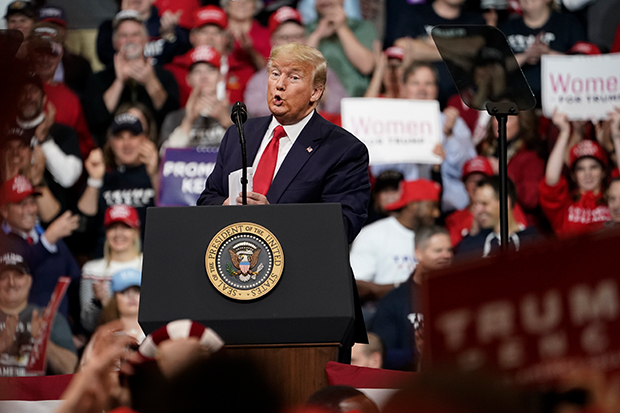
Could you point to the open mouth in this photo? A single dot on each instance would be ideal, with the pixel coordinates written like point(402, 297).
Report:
point(277, 100)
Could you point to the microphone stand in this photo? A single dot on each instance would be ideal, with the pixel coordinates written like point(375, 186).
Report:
point(237, 118)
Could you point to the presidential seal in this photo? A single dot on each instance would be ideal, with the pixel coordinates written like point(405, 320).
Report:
point(244, 261)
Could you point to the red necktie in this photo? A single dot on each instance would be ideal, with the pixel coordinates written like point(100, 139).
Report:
point(267, 164)
point(30, 240)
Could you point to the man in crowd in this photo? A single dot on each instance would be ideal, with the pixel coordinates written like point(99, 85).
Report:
point(48, 256)
point(166, 38)
point(345, 43)
point(382, 254)
point(20, 323)
point(132, 78)
point(398, 321)
point(613, 202)
point(36, 126)
point(486, 208)
point(46, 50)
point(310, 160)
point(21, 15)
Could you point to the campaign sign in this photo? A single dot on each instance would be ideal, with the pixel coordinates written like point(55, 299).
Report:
point(394, 130)
point(582, 87)
point(183, 174)
point(535, 316)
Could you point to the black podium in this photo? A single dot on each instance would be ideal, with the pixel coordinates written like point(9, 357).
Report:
point(292, 330)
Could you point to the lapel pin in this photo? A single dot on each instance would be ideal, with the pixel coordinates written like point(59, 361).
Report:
point(309, 149)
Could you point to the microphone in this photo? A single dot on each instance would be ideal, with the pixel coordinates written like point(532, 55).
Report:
point(239, 113)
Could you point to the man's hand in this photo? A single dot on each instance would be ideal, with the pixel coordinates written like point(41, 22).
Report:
point(62, 227)
point(7, 336)
point(37, 167)
point(254, 198)
point(168, 22)
point(121, 67)
point(94, 164)
point(141, 70)
point(42, 131)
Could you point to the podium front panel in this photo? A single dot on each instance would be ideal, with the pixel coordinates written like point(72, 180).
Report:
point(312, 302)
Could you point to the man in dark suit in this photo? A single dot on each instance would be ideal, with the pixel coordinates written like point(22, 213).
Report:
point(310, 160)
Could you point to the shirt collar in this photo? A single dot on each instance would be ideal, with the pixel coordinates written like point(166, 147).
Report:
point(292, 131)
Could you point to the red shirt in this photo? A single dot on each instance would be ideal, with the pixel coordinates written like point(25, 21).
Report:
point(178, 68)
point(69, 112)
point(241, 68)
point(568, 217)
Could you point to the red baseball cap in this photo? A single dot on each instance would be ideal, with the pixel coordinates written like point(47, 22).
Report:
point(478, 164)
point(282, 15)
point(121, 213)
point(416, 191)
point(584, 48)
point(204, 54)
point(395, 53)
point(15, 190)
point(210, 15)
point(587, 149)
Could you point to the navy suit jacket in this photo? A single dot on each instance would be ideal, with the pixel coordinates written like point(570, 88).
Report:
point(325, 164)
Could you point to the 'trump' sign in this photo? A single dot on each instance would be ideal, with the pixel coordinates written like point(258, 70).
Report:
point(535, 315)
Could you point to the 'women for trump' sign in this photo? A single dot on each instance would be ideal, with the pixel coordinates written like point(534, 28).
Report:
point(582, 87)
point(394, 130)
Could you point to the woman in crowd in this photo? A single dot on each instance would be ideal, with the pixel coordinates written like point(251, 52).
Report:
point(583, 209)
point(127, 172)
point(125, 302)
point(526, 165)
point(541, 31)
point(121, 250)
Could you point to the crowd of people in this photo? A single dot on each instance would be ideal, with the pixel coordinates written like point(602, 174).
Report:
point(89, 109)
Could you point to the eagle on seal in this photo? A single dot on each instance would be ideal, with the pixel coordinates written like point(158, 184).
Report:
point(244, 263)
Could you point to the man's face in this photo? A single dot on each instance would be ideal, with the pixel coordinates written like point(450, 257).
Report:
point(486, 207)
point(290, 92)
point(126, 147)
point(613, 200)
point(204, 76)
point(241, 9)
point(426, 212)
point(421, 85)
point(437, 254)
point(289, 32)
point(45, 64)
point(16, 154)
point(22, 215)
point(130, 38)
point(208, 35)
point(471, 183)
point(324, 7)
point(30, 103)
point(20, 22)
point(14, 287)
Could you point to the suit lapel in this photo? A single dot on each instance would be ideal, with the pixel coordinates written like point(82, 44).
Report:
point(297, 157)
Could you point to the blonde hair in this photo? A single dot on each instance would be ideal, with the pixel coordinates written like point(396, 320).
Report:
point(107, 250)
point(306, 55)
